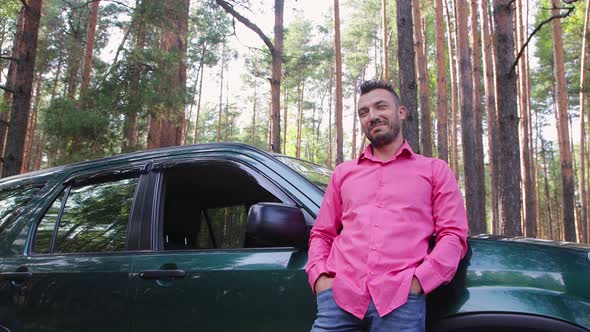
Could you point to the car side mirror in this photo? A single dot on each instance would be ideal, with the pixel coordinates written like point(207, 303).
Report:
point(275, 225)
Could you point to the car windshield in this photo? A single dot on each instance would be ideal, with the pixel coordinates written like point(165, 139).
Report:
point(318, 175)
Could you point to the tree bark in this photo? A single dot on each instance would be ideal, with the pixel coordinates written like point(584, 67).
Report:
point(31, 126)
point(90, 38)
point(220, 96)
point(285, 115)
point(385, 40)
point(491, 113)
point(509, 186)
point(477, 114)
point(10, 81)
point(196, 138)
point(530, 209)
point(565, 153)
point(353, 154)
point(300, 89)
point(130, 139)
point(423, 88)
point(338, 60)
point(475, 214)
point(407, 73)
point(583, 86)
point(330, 139)
point(454, 94)
point(21, 99)
point(441, 77)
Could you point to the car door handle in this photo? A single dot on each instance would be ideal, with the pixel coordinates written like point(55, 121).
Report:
point(162, 274)
point(16, 276)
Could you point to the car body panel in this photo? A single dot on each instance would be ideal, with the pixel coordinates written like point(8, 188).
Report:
point(532, 278)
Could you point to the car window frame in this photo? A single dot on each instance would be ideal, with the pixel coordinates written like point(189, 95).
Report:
point(158, 197)
point(85, 178)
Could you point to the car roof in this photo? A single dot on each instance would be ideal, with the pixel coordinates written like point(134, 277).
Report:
point(132, 156)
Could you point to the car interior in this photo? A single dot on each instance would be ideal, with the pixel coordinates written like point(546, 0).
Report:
point(206, 205)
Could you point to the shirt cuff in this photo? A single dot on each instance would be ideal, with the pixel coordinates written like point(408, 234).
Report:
point(314, 273)
point(428, 277)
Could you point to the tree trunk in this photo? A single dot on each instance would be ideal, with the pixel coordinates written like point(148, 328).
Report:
point(423, 88)
point(277, 60)
point(583, 65)
point(10, 81)
point(338, 60)
point(285, 113)
point(330, 140)
point(491, 114)
point(475, 213)
point(454, 94)
point(300, 89)
point(90, 37)
point(441, 78)
point(220, 96)
point(509, 186)
point(196, 138)
point(21, 99)
point(530, 209)
point(353, 154)
point(130, 139)
point(31, 126)
point(565, 153)
point(477, 114)
point(385, 40)
point(252, 140)
point(407, 73)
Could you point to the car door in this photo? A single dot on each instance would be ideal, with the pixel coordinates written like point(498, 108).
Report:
point(198, 275)
point(80, 258)
point(16, 203)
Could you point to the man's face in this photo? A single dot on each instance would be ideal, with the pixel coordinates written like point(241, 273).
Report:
point(381, 117)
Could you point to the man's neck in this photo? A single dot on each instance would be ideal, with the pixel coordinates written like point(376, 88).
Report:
point(386, 152)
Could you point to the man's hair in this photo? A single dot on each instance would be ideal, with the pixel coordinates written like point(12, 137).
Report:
point(370, 85)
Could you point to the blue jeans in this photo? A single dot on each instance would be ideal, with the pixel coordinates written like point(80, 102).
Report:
point(410, 317)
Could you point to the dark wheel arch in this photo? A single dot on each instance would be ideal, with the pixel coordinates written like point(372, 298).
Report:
point(502, 322)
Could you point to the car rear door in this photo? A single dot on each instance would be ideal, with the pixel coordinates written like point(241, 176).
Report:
point(80, 257)
point(198, 275)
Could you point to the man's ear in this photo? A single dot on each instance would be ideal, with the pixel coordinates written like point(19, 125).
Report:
point(402, 112)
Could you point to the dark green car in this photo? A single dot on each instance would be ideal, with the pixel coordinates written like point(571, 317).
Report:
point(213, 238)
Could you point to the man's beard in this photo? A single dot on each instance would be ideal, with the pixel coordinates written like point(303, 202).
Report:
point(383, 138)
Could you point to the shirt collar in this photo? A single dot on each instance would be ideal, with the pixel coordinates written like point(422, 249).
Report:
point(404, 151)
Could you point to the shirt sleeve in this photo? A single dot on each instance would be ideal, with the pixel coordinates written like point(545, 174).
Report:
point(450, 224)
point(324, 230)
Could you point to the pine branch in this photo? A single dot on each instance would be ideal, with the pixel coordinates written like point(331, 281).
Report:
point(230, 9)
point(546, 21)
point(24, 2)
point(8, 58)
point(7, 89)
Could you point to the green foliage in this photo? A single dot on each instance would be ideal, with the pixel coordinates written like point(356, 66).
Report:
point(69, 128)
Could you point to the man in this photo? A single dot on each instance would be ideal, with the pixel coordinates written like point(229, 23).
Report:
point(369, 258)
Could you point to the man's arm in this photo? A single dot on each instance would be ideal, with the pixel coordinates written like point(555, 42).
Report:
point(450, 225)
point(324, 230)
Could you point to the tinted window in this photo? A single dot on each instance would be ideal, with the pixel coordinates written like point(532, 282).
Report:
point(13, 201)
point(206, 205)
point(95, 217)
point(320, 176)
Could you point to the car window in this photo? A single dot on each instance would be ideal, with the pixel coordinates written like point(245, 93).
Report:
point(318, 175)
point(206, 205)
point(94, 218)
point(13, 201)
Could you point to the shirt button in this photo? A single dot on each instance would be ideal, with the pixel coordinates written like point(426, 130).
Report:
point(379, 205)
point(376, 225)
point(372, 273)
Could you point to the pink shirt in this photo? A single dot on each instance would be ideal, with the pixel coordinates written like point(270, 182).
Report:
point(387, 213)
